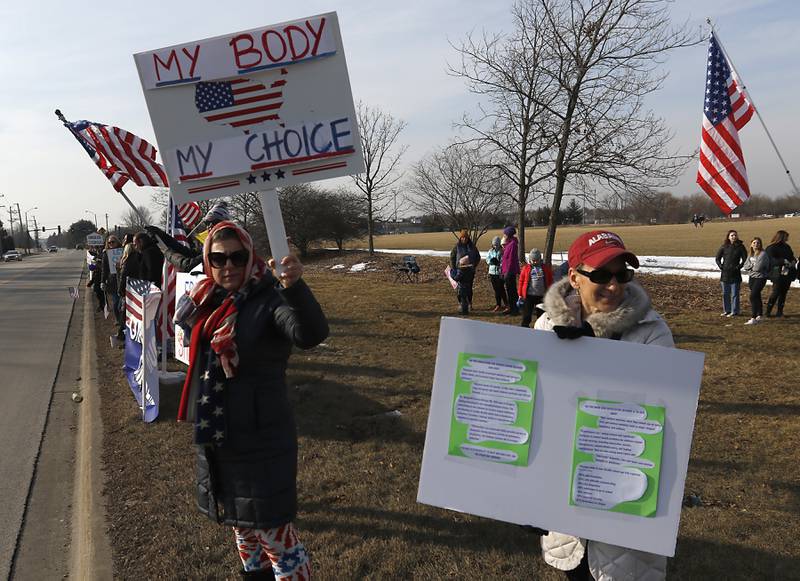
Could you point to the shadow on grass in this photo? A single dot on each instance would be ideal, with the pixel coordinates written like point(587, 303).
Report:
point(357, 370)
point(419, 314)
point(701, 559)
point(750, 408)
point(696, 338)
point(478, 534)
point(327, 410)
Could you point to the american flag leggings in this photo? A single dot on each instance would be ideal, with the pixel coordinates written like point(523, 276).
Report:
point(278, 548)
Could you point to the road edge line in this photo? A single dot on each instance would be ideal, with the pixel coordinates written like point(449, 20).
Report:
point(90, 547)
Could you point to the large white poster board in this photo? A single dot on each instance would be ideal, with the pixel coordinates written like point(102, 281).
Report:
point(253, 110)
point(539, 492)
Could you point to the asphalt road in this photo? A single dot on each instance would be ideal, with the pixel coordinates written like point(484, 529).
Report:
point(35, 309)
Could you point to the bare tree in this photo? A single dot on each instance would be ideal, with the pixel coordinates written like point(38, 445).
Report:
point(379, 132)
point(513, 123)
point(137, 221)
point(456, 185)
point(605, 56)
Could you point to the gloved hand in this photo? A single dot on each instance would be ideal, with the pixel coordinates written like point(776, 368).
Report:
point(162, 239)
point(520, 302)
point(103, 286)
point(570, 332)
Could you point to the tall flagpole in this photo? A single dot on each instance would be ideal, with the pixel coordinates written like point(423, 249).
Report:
point(749, 98)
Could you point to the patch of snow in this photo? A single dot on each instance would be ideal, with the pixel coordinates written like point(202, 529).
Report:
point(337, 266)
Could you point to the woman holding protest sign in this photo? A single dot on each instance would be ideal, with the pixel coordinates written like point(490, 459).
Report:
point(598, 298)
point(244, 322)
point(464, 258)
point(112, 252)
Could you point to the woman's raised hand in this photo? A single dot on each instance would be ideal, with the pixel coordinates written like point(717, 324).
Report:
point(292, 270)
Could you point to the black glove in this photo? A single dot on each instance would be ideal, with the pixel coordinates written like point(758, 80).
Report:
point(163, 237)
point(534, 530)
point(570, 332)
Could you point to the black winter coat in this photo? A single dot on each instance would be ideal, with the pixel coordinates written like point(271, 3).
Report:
point(152, 263)
point(250, 481)
point(730, 259)
point(780, 254)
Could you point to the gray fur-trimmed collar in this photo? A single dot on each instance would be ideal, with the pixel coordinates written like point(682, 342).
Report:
point(562, 305)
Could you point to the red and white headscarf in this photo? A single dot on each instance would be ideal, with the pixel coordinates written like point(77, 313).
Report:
point(217, 324)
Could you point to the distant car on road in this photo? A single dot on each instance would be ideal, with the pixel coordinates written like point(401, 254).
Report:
point(52, 248)
point(12, 255)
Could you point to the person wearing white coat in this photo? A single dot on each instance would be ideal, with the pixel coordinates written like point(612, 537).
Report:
point(599, 298)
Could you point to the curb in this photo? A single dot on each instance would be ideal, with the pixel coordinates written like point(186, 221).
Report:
point(90, 556)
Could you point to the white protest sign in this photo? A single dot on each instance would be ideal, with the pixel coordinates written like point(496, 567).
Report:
point(113, 256)
point(253, 110)
point(633, 377)
point(95, 239)
point(184, 283)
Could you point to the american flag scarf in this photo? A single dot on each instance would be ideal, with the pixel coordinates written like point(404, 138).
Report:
point(212, 316)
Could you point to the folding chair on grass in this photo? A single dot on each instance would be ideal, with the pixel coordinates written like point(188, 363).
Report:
point(408, 270)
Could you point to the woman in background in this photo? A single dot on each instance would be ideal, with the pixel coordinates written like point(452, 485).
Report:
point(494, 259)
point(782, 271)
point(757, 269)
point(730, 259)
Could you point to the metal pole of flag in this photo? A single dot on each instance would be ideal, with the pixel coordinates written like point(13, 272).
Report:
point(144, 353)
point(749, 98)
point(165, 288)
point(80, 140)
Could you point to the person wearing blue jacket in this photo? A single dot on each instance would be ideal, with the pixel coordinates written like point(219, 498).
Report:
point(494, 259)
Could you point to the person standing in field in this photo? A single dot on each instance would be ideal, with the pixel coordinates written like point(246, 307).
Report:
point(464, 259)
point(494, 259)
point(243, 322)
point(757, 269)
point(782, 271)
point(598, 298)
point(510, 268)
point(534, 280)
point(730, 259)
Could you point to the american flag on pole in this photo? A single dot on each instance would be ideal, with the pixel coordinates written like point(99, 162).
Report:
point(189, 213)
point(721, 172)
point(239, 102)
point(178, 231)
point(119, 154)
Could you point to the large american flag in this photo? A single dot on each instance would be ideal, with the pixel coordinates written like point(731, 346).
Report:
point(721, 172)
point(178, 231)
point(119, 154)
point(239, 102)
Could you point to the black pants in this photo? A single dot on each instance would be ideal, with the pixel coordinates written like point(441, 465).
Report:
point(464, 289)
point(499, 289)
point(778, 295)
point(99, 293)
point(510, 281)
point(756, 304)
point(528, 308)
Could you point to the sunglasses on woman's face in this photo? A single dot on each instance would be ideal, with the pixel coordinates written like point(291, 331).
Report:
point(601, 276)
point(220, 259)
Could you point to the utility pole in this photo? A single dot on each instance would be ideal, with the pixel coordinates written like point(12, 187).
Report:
point(11, 225)
point(36, 230)
point(106, 221)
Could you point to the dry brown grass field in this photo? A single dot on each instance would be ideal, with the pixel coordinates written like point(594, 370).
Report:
point(358, 469)
point(659, 240)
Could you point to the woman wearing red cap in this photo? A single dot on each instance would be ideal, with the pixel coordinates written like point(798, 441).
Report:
point(599, 298)
point(244, 322)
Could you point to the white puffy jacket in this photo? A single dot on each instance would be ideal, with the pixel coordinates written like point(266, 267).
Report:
point(635, 321)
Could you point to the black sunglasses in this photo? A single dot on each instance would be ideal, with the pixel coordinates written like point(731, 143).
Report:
point(605, 276)
point(220, 259)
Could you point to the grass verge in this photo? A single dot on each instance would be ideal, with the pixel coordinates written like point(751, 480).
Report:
point(359, 468)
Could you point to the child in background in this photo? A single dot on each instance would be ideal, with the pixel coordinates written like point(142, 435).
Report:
point(534, 280)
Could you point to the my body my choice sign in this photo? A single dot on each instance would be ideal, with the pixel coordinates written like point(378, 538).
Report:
point(253, 110)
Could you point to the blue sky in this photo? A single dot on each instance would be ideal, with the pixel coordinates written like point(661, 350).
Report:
point(77, 56)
